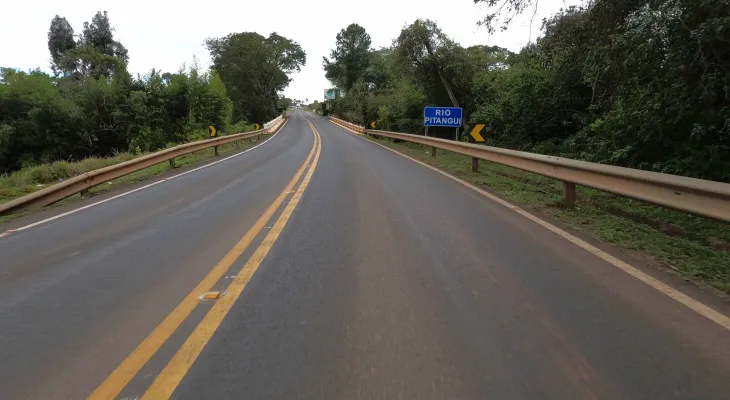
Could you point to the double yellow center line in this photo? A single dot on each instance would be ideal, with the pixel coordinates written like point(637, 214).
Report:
point(175, 371)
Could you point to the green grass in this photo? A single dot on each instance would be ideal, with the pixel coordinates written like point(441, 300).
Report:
point(695, 248)
point(29, 180)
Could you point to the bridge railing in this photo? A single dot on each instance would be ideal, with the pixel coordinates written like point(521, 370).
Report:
point(82, 183)
point(696, 196)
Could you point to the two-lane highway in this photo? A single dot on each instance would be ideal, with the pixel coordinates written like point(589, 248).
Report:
point(347, 272)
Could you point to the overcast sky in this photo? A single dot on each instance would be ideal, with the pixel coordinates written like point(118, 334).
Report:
point(166, 34)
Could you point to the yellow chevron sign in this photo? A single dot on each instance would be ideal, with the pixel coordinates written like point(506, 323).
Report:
point(257, 126)
point(212, 130)
point(372, 124)
point(475, 132)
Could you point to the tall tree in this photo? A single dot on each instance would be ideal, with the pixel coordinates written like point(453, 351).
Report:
point(284, 54)
point(99, 34)
point(254, 70)
point(60, 41)
point(350, 58)
point(96, 53)
point(428, 48)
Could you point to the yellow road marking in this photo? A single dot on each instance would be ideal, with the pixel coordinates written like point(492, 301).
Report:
point(171, 376)
point(120, 377)
point(212, 295)
point(689, 302)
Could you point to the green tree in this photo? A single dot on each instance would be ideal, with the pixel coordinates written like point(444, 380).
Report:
point(96, 53)
point(60, 41)
point(350, 59)
point(428, 49)
point(37, 124)
point(285, 102)
point(635, 83)
point(99, 34)
point(254, 69)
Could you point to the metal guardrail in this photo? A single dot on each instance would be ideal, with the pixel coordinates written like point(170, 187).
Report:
point(346, 124)
point(696, 196)
point(82, 183)
point(274, 122)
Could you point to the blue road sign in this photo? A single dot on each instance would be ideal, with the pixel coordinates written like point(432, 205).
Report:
point(442, 116)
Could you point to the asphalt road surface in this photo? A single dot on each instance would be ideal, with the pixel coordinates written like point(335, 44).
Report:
point(346, 271)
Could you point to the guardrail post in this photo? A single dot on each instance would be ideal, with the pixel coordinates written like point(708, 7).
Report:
point(172, 162)
point(474, 164)
point(216, 150)
point(568, 194)
point(84, 192)
point(433, 152)
point(237, 146)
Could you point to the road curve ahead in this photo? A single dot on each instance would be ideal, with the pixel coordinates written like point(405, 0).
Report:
point(345, 271)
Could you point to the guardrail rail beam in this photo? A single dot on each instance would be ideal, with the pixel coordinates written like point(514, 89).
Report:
point(82, 183)
point(695, 196)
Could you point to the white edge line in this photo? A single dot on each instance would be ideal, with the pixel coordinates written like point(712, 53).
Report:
point(11, 231)
point(695, 305)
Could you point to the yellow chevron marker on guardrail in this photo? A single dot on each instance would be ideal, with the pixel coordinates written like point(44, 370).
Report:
point(475, 132)
point(212, 130)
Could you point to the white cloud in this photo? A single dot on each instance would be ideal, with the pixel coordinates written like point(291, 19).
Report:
point(166, 34)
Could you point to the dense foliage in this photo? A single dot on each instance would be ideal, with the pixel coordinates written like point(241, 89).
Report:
point(254, 69)
point(92, 106)
point(350, 57)
point(639, 83)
